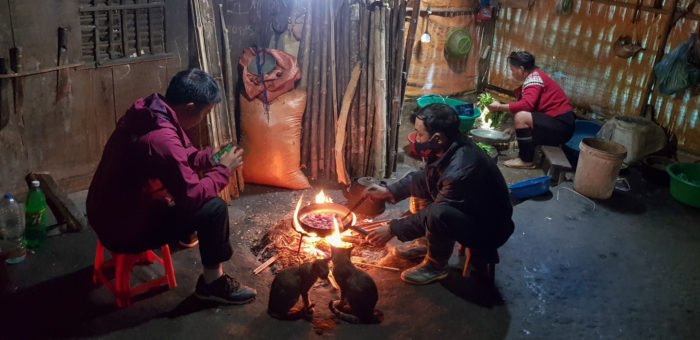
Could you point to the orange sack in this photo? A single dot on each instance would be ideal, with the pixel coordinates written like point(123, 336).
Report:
point(272, 148)
point(278, 80)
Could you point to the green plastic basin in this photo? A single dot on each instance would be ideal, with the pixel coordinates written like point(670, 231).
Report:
point(685, 183)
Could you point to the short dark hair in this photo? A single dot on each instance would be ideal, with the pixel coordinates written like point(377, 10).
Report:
point(439, 118)
point(192, 86)
point(522, 58)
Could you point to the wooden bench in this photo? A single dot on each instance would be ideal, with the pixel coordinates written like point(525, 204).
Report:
point(555, 163)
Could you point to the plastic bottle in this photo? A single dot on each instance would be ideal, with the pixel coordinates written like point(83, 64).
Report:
point(35, 213)
point(12, 229)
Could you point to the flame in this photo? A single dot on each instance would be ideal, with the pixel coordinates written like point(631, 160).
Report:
point(295, 220)
point(336, 239)
point(321, 198)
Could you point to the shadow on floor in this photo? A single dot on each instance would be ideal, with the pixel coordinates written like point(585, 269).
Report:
point(472, 289)
point(70, 306)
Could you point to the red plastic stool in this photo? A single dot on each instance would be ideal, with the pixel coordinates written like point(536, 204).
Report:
point(488, 263)
point(122, 264)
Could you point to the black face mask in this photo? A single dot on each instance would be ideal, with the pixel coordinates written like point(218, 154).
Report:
point(426, 150)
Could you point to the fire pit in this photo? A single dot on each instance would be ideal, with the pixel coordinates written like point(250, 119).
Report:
point(296, 240)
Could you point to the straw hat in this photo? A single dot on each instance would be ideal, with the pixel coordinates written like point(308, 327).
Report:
point(458, 43)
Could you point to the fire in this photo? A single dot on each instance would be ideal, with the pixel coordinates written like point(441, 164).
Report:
point(336, 239)
point(321, 198)
point(310, 239)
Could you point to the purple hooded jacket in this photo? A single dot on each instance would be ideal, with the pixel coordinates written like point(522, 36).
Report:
point(148, 167)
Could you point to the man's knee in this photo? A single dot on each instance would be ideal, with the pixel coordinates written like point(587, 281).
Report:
point(440, 217)
point(216, 207)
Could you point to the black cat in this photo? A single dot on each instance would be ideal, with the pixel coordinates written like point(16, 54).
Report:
point(358, 292)
point(292, 282)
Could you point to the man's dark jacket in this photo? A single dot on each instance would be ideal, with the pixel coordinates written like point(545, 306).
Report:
point(468, 180)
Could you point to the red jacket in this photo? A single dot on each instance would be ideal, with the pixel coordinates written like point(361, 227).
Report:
point(539, 93)
point(148, 166)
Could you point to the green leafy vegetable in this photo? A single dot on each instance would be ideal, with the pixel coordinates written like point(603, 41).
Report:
point(495, 118)
point(488, 149)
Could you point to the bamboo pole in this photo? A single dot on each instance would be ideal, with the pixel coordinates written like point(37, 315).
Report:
point(306, 80)
point(379, 138)
point(316, 99)
point(359, 166)
point(340, 130)
point(322, 113)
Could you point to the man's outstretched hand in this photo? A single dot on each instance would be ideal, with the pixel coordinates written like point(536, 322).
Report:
point(378, 192)
point(234, 159)
point(380, 236)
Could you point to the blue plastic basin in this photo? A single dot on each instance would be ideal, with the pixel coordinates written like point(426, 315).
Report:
point(582, 129)
point(530, 187)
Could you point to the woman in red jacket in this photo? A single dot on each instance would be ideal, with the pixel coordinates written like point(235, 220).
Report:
point(542, 112)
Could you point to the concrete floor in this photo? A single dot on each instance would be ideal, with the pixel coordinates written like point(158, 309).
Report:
point(624, 268)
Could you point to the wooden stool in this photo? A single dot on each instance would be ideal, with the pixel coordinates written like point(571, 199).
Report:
point(122, 264)
point(555, 162)
point(487, 261)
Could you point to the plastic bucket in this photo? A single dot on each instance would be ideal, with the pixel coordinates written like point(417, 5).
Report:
point(599, 163)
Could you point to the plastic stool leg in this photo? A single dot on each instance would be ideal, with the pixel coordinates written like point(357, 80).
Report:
point(99, 260)
point(467, 255)
point(168, 266)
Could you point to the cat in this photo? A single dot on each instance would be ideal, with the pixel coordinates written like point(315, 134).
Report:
point(291, 283)
point(358, 292)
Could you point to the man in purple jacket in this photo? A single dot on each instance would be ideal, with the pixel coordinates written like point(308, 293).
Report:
point(153, 187)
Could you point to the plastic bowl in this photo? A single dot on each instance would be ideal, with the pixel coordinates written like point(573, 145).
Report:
point(466, 123)
point(685, 183)
point(582, 129)
point(530, 187)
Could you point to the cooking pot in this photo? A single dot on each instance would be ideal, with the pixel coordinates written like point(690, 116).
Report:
point(325, 208)
point(353, 193)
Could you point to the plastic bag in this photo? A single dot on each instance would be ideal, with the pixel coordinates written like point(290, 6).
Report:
point(272, 147)
point(640, 136)
point(674, 73)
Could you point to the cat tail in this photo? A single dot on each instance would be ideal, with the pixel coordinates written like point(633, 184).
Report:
point(347, 317)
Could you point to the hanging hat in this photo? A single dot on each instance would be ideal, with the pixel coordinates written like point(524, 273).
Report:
point(458, 43)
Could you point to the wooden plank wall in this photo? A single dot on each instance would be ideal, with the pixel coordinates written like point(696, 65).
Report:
point(576, 51)
point(430, 71)
point(66, 136)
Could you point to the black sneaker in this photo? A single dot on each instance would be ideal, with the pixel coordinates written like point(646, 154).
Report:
point(189, 241)
point(224, 290)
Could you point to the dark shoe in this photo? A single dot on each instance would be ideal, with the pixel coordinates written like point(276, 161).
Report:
point(189, 241)
point(225, 290)
point(415, 250)
point(424, 273)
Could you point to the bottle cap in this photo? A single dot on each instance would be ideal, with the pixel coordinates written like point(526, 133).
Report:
point(35, 184)
point(8, 196)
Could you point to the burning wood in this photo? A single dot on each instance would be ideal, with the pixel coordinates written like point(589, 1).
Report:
point(291, 244)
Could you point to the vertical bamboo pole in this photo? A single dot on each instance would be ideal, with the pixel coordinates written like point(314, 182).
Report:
point(379, 138)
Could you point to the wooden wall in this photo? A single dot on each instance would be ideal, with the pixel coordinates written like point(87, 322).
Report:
point(576, 51)
point(65, 135)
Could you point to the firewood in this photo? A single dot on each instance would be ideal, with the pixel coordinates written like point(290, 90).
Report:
point(340, 130)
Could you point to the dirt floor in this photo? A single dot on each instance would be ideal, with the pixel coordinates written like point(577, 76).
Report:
point(623, 268)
